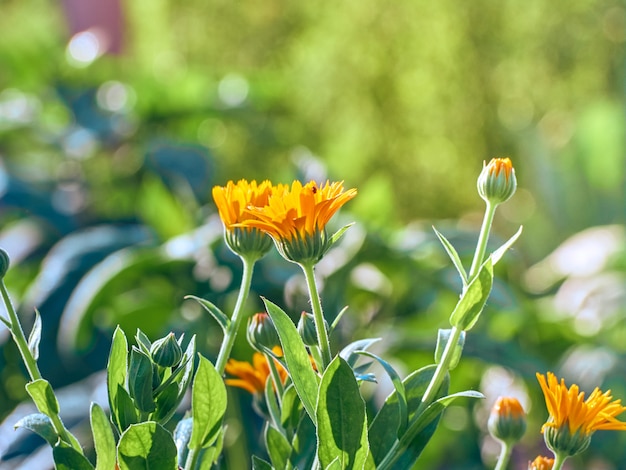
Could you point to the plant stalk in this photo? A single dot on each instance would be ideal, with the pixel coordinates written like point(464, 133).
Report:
point(505, 455)
point(318, 315)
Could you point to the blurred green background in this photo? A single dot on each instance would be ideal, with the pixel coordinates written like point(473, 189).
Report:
point(117, 118)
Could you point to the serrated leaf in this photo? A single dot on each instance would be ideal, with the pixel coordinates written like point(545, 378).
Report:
point(454, 256)
point(208, 405)
point(399, 388)
point(103, 439)
point(35, 336)
point(40, 424)
point(219, 316)
point(442, 340)
point(116, 372)
point(278, 447)
point(42, 394)
point(499, 253)
point(146, 446)
point(473, 298)
point(341, 418)
point(304, 378)
point(67, 458)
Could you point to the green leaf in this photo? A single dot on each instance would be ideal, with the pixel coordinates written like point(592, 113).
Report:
point(454, 256)
point(146, 446)
point(304, 378)
point(260, 464)
point(290, 408)
point(337, 319)
point(103, 439)
point(272, 402)
point(473, 299)
point(35, 336)
point(40, 424)
point(399, 388)
point(341, 419)
point(140, 374)
point(304, 444)
point(219, 316)
point(42, 394)
point(442, 340)
point(182, 434)
point(339, 233)
point(68, 458)
point(166, 403)
point(348, 353)
point(126, 411)
point(499, 253)
point(208, 405)
point(380, 433)
point(116, 372)
point(278, 447)
point(143, 342)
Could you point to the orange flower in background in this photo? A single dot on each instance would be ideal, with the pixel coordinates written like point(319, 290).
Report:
point(298, 211)
point(569, 407)
point(253, 376)
point(507, 420)
point(541, 463)
point(233, 200)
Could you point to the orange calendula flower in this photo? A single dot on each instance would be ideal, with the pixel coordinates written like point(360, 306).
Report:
point(573, 419)
point(252, 376)
point(507, 420)
point(233, 202)
point(541, 463)
point(296, 217)
point(497, 182)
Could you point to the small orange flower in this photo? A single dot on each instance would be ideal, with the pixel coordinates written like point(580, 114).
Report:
point(569, 407)
point(252, 377)
point(507, 420)
point(233, 200)
point(300, 210)
point(541, 463)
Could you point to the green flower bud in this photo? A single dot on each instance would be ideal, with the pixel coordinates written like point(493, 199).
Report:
point(4, 263)
point(306, 328)
point(166, 351)
point(248, 242)
point(261, 332)
point(507, 421)
point(497, 182)
point(562, 441)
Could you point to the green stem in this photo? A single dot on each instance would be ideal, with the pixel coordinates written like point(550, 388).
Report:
point(29, 361)
point(448, 353)
point(318, 315)
point(505, 455)
point(192, 459)
point(235, 321)
point(559, 459)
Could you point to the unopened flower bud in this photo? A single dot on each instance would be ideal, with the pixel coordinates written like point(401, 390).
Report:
point(562, 441)
point(507, 421)
point(261, 332)
point(4, 263)
point(166, 351)
point(307, 330)
point(497, 181)
point(541, 463)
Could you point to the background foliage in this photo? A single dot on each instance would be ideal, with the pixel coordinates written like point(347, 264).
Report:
point(107, 167)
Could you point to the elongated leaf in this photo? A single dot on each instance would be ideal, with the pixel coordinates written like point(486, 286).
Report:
point(68, 458)
point(278, 447)
point(208, 405)
point(348, 352)
point(339, 233)
point(182, 435)
point(40, 424)
point(140, 374)
point(382, 435)
point(146, 446)
point(103, 439)
point(116, 372)
point(42, 394)
point(499, 253)
point(35, 336)
point(473, 299)
point(304, 378)
point(127, 414)
point(341, 419)
point(166, 403)
point(219, 316)
point(260, 464)
point(143, 342)
point(272, 402)
point(337, 319)
point(454, 256)
point(403, 413)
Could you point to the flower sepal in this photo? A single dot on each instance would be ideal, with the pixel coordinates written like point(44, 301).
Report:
point(562, 441)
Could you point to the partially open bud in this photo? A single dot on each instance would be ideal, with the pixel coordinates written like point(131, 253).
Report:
point(507, 421)
point(564, 442)
point(497, 182)
point(166, 351)
point(4, 263)
point(261, 332)
point(541, 463)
